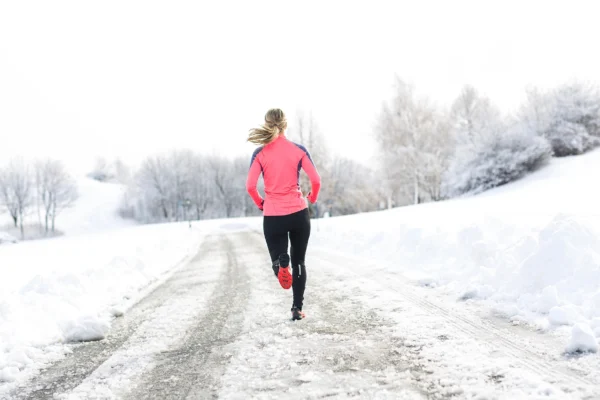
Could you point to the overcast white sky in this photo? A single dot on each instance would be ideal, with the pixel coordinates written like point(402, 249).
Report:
point(82, 79)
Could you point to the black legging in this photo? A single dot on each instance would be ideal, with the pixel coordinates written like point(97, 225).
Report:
point(276, 229)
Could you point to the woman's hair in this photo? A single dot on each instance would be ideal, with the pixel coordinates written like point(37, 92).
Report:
point(275, 123)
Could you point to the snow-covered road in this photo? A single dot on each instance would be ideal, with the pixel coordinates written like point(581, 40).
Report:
point(219, 328)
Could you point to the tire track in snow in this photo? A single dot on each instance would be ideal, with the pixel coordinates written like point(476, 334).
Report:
point(342, 349)
point(85, 358)
point(473, 327)
point(192, 368)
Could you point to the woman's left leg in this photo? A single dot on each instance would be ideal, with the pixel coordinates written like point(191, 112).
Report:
point(299, 235)
point(276, 236)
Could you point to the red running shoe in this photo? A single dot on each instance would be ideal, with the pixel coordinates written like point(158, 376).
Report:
point(285, 277)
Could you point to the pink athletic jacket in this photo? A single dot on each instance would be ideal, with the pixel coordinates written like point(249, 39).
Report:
point(280, 162)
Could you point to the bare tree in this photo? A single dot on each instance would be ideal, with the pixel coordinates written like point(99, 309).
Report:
point(227, 187)
point(201, 188)
point(17, 191)
point(413, 139)
point(56, 190)
point(180, 171)
point(307, 133)
point(152, 182)
point(240, 167)
point(436, 158)
point(350, 188)
point(8, 197)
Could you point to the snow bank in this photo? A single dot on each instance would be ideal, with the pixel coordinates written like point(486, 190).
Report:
point(582, 340)
point(6, 238)
point(69, 289)
point(85, 328)
point(530, 250)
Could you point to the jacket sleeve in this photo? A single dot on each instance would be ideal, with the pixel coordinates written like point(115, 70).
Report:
point(253, 175)
point(315, 179)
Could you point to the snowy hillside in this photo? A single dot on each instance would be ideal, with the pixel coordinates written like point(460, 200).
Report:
point(530, 250)
point(95, 210)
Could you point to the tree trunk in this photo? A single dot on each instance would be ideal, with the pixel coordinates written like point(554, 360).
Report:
point(39, 210)
point(416, 188)
point(15, 220)
point(165, 212)
point(53, 217)
point(48, 206)
point(21, 226)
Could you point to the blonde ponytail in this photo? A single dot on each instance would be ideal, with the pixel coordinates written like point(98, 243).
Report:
point(275, 123)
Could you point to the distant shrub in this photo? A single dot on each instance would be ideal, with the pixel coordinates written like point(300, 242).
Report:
point(568, 116)
point(494, 160)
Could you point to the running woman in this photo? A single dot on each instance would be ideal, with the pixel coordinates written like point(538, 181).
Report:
point(284, 207)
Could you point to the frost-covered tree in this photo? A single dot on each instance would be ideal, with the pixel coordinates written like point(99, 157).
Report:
point(228, 181)
point(306, 131)
point(472, 116)
point(122, 172)
point(8, 200)
point(489, 152)
point(180, 172)
point(568, 116)
point(349, 189)
point(56, 190)
point(202, 189)
point(164, 187)
point(102, 170)
point(495, 160)
point(413, 140)
point(152, 189)
point(184, 185)
point(17, 191)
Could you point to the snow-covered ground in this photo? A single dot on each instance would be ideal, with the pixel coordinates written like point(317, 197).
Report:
point(528, 253)
point(219, 328)
point(69, 288)
point(529, 250)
